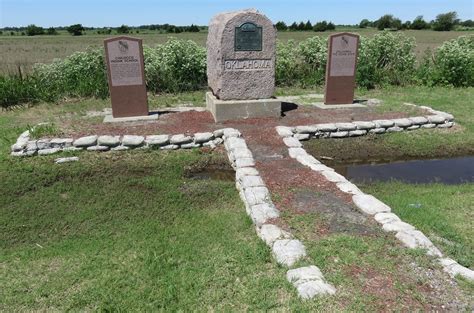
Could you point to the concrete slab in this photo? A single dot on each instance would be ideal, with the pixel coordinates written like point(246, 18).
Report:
point(224, 110)
point(111, 119)
point(323, 106)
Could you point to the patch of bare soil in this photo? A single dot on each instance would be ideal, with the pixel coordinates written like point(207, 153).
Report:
point(196, 121)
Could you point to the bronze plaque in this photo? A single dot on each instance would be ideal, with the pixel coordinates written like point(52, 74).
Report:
point(248, 37)
point(126, 74)
point(341, 68)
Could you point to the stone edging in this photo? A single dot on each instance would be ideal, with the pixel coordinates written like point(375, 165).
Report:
point(287, 251)
point(26, 147)
point(368, 204)
point(437, 119)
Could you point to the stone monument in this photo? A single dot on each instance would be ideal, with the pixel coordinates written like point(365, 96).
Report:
point(341, 68)
point(126, 74)
point(241, 66)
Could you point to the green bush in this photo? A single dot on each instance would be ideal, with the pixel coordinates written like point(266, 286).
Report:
point(16, 91)
point(451, 64)
point(386, 58)
point(287, 63)
point(175, 66)
point(83, 74)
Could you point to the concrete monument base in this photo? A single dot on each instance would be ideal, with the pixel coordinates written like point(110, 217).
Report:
point(224, 110)
point(111, 119)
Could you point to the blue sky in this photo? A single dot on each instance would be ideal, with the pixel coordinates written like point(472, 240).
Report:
point(184, 12)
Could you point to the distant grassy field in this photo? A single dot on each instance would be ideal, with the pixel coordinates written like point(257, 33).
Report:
point(22, 51)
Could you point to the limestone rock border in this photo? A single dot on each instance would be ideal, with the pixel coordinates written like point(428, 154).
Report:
point(437, 119)
point(368, 204)
point(24, 146)
point(286, 250)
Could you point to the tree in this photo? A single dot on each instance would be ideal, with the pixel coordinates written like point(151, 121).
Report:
point(320, 26)
point(51, 31)
point(75, 30)
point(445, 22)
point(364, 23)
point(308, 26)
point(301, 26)
point(396, 23)
point(468, 23)
point(124, 29)
point(193, 29)
point(294, 26)
point(385, 21)
point(281, 26)
point(33, 30)
point(331, 26)
point(419, 23)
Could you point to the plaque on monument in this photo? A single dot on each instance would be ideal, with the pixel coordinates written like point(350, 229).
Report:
point(341, 68)
point(126, 76)
point(248, 37)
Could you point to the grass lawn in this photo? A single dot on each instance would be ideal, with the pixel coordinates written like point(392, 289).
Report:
point(130, 231)
point(442, 212)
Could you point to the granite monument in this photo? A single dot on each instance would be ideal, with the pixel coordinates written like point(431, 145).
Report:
point(126, 76)
point(341, 68)
point(241, 66)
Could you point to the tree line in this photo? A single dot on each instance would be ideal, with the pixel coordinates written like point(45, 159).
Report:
point(79, 29)
point(443, 22)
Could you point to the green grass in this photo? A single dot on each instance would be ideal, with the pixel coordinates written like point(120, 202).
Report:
point(24, 51)
point(128, 231)
point(445, 213)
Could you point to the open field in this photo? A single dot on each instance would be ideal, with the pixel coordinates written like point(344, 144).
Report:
point(25, 51)
point(132, 231)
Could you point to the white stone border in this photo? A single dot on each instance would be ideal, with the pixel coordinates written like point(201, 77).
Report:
point(368, 204)
point(437, 119)
point(308, 280)
point(26, 147)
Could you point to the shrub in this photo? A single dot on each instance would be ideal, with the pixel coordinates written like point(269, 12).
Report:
point(451, 64)
point(15, 91)
point(76, 29)
point(175, 66)
point(386, 58)
point(33, 30)
point(313, 57)
point(83, 74)
point(287, 67)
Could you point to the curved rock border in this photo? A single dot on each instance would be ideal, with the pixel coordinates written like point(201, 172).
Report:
point(286, 250)
point(26, 147)
point(368, 204)
point(437, 119)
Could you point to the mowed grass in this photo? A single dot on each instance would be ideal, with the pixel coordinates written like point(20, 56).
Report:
point(128, 232)
point(25, 51)
point(443, 212)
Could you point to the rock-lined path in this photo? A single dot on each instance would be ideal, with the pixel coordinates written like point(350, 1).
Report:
point(299, 192)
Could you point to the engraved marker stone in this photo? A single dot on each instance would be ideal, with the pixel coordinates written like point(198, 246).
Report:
point(126, 76)
point(241, 66)
point(341, 68)
point(241, 56)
